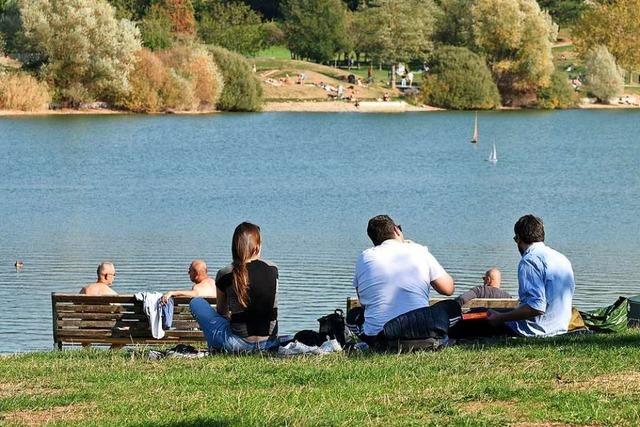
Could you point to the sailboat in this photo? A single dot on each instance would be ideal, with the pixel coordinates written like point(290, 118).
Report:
point(493, 157)
point(474, 140)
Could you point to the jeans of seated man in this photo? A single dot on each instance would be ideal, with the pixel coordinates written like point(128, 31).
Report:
point(217, 331)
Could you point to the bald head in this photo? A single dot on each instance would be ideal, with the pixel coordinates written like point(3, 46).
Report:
point(492, 277)
point(106, 272)
point(198, 271)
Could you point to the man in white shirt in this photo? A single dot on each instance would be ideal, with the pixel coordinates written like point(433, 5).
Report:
point(395, 276)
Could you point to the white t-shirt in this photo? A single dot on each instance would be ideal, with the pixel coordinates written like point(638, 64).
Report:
point(392, 279)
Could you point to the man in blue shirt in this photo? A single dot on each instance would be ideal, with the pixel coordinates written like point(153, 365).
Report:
point(546, 285)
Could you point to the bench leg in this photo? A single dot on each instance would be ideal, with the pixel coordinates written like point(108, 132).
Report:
point(116, 346)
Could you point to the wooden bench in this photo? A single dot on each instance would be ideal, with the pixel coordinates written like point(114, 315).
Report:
point(474, 303)
point(117, 320)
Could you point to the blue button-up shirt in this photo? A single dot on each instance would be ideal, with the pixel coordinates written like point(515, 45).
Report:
point(546, 284)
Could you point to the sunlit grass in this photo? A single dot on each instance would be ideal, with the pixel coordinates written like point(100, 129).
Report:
point(575, 380)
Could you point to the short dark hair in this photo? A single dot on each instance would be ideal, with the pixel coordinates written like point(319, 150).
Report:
point(529, 229)
point(381, 228)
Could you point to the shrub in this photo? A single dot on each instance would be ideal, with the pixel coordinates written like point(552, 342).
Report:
point(147, 81)
point(182, 78)
point(604, 78)
point(242, 90)
point(23, 92)
point(559, 93)
point(84, 45)
point(460, 79)
point(197, 66)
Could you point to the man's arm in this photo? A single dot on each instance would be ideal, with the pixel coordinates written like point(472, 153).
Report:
point(444, 284)
point(183, 293)
point(523, 312)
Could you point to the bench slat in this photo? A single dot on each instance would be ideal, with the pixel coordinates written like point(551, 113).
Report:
point(106, 333)
point(101, 316)
point(89, 299)
point(85, 308)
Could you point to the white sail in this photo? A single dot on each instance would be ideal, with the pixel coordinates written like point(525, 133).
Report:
point(493, 157)
point(475, 131)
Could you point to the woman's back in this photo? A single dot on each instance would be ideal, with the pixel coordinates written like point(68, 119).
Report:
point(259, 317)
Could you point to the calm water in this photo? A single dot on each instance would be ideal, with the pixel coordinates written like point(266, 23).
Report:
point(151, 193)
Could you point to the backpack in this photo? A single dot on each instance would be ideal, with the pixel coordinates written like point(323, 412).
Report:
point(333, 326)
point(612, 318)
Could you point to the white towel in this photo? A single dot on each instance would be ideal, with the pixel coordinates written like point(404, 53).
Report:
point(151, 306)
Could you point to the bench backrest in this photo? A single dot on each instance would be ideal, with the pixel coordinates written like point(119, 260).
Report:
point(117, 320)
point(474, 303)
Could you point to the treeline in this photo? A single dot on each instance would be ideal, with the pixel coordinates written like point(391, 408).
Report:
point(479, 53)
point(84, 51)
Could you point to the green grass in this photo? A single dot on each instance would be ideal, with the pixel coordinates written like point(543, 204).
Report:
point(580, 380)
point(280, 52)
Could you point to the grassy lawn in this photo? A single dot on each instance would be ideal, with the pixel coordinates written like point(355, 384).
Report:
point(581, 380)
point(280, 52)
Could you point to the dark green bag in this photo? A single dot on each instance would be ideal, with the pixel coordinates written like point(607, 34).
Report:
point(608, 319)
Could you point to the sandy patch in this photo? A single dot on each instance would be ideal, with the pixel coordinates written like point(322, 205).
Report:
point(68, 413)
point(343, 106)
point(488, 406)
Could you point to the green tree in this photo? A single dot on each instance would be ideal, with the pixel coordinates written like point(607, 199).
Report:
point(242, 89)
point(234, 26)
point(559, 93)
point(315, 29)
point(516, 36)
point(565, 12)
point(454, 25)
point(155, 30)
point(614, 24)
point(604, 77)
point(395, 30)
point(93, 61)
point(132, 10)
point(460, 79)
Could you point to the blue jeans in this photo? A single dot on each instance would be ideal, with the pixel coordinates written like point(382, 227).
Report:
point(217, 331)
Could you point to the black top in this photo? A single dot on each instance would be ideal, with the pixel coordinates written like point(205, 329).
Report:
point(482, 291)
point(260, 316)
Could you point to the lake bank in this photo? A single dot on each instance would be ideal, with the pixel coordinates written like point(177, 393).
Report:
point(301, 107)
point(579, 380)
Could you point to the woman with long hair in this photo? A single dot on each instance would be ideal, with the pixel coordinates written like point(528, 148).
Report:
point(246, 316)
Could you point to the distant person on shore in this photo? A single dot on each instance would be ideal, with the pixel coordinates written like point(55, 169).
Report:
point(546, 286)
point(490, 288)
point(395, 276)
point(203, 285)
point(106, 274)
point(246, 314)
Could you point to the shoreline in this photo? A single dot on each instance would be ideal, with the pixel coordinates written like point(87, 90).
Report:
point(302, 107)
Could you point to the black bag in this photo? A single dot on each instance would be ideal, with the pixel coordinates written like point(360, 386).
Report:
point(332, 326)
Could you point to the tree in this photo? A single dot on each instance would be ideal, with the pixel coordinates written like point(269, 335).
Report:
point(516, 36)
point(615, 25)
point(604, 78)
point(559, 94)
point(315, 29)
point(132, 10)
point(155, 30)
point(395, 30)
point(234, 26)
point(565, 12)
point(454, 24)
point(242, 89)
point(88, 51)
point(460, 79)
point(180, 13)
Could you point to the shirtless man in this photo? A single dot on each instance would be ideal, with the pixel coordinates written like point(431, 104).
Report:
point(203, 285)
point(106, 274)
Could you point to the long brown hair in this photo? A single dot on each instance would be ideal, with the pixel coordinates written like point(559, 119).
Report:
point(244, 246)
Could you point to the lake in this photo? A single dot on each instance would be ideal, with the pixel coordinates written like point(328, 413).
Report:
point(153, 192)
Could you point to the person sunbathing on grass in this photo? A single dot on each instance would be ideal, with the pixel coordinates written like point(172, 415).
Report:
point(203, 285)
point(106, 275)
